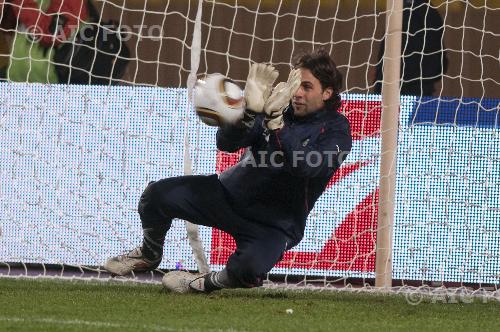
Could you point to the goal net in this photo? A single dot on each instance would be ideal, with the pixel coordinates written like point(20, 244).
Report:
point(75, 158)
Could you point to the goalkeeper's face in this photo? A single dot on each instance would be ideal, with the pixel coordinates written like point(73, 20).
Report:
point(310, 97)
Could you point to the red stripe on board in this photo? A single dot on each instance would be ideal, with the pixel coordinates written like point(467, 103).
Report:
point(363, 116)
point(224, 160)
point(346, 170)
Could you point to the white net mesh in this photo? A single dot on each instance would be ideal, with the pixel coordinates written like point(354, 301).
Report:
point(75, 158)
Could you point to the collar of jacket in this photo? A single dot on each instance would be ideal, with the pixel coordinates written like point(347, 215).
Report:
point(321, 115)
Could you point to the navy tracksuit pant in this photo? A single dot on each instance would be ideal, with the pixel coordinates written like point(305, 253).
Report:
point(202, 200)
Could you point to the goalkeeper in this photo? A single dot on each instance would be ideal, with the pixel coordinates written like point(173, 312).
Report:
point(295, 140)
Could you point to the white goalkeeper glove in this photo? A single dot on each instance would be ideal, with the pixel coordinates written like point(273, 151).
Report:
point(257, 89)
point(279, 99)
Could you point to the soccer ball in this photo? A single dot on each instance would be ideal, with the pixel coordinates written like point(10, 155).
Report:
point(218, 100)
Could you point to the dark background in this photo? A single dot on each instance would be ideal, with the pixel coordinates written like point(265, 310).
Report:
point(234, 36)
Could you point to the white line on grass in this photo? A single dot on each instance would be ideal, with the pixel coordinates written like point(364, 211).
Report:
point(79, 322)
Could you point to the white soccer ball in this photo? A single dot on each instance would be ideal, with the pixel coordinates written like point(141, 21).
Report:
point(218, 100)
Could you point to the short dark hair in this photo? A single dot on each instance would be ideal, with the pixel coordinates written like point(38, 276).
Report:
point(322, 66)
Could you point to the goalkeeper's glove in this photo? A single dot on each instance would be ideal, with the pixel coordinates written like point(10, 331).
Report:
point(279, 99)
point(257, 89)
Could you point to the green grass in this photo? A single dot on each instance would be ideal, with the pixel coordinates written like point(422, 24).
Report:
point(57, 305)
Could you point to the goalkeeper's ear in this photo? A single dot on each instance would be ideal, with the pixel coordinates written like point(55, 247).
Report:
point(327, 93)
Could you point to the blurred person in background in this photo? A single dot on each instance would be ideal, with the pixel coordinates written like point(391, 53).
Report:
point(424, 58)
point(65, 41)
point(41, 26)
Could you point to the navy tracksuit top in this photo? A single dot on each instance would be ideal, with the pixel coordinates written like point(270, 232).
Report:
point(283, 172)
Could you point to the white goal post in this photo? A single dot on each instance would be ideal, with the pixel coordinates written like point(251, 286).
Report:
point(388, 141)
point(416, 203)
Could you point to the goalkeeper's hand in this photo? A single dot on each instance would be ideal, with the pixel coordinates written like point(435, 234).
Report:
point(258, 86)
point(279, 99)
point(257, 89)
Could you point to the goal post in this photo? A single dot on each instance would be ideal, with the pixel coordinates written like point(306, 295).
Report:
point(414, 204)
point(388, 141)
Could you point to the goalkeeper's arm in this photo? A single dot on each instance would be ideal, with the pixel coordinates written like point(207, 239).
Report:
point(231, 138)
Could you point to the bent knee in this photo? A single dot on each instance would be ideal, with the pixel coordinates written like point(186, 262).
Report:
point(160, 199)
point(147, 200)
point(154, 203)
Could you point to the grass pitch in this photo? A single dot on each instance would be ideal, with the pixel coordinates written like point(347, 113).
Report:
point(57, 305)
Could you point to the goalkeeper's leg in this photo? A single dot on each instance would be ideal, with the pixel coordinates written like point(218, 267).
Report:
point(198, 199)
